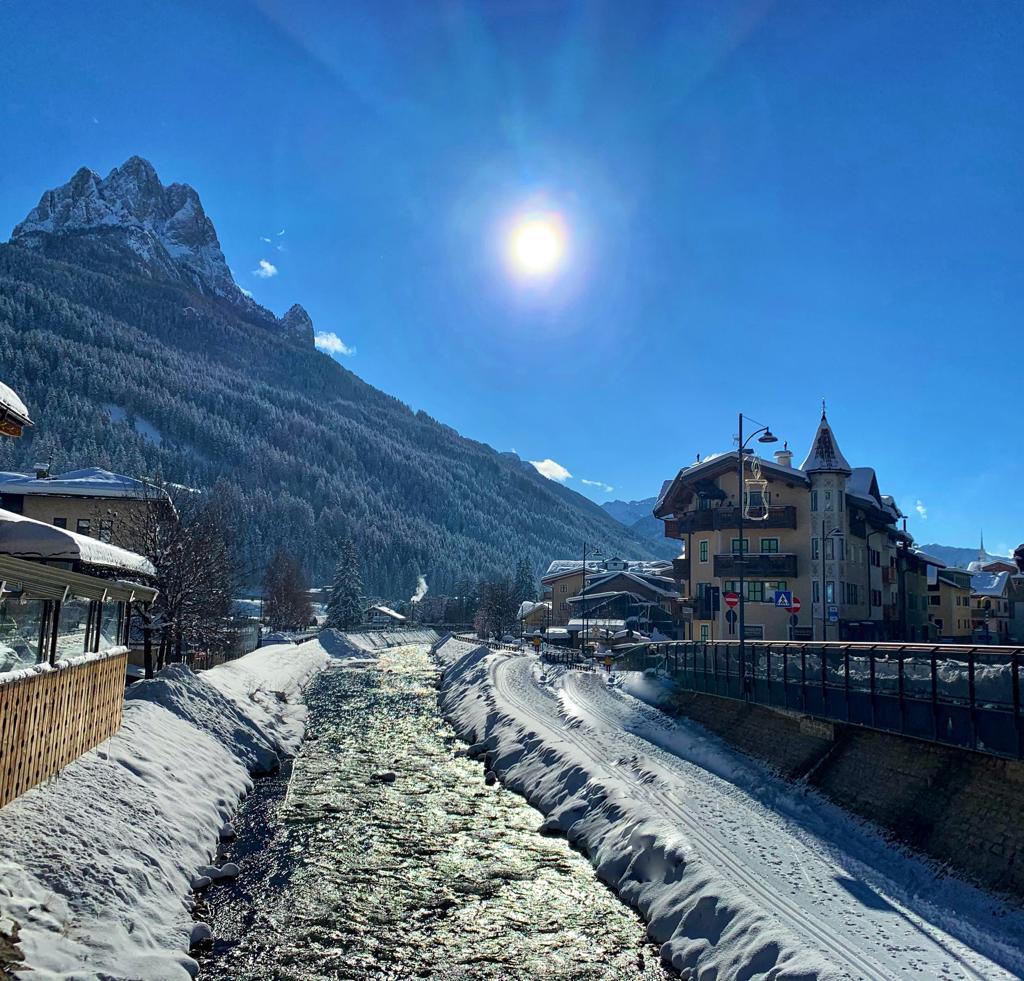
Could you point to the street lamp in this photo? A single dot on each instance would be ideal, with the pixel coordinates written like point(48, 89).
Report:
point(764, 435)
point(594, 553)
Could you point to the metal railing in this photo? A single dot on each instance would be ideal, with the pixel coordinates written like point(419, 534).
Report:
point(957, 695)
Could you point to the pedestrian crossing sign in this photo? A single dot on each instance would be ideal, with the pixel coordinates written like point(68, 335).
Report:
point(783, 598)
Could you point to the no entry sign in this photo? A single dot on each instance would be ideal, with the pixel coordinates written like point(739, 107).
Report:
point(795, 608)
point(731, 599)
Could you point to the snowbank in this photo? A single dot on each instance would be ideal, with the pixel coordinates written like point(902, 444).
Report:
point(96, 865)
point(729, 886)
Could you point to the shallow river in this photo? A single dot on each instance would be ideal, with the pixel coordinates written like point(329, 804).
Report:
point(432, 876)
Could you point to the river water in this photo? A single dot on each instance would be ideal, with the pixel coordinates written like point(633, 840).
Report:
point(433, 875)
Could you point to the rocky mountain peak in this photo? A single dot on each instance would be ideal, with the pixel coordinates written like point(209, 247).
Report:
point(163, 228)
point(296, 321)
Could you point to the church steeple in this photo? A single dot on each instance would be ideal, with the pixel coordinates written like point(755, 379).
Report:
point(982, 557)
point(825, 455)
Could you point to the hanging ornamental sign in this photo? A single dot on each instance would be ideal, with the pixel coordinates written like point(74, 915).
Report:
point(755, 497)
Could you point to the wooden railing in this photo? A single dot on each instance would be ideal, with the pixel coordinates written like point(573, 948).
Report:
point(49, 718)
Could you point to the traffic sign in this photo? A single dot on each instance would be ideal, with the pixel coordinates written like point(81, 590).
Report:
point(731, 599)
point(833, 614)
point(794, 620)
point(730, 616)
point(794, 607)
point(783, 598)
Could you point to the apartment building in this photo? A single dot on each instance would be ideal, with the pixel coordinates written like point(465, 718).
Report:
point(949, 604)
point(822, 531)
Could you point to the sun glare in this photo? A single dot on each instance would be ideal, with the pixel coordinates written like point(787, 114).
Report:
point(537, 245)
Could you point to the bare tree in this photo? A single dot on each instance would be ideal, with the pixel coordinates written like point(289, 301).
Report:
point(188, 541)
point(286, 604)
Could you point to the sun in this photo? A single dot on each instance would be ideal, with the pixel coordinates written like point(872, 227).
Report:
point(537, 244)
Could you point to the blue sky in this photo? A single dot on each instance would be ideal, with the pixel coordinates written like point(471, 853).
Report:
point(766, 204)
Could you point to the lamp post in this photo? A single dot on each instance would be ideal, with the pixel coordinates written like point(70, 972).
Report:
point(764, 435)
point(583, 598)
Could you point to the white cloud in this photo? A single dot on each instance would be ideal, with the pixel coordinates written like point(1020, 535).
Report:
point(245, 291)
point(265, 270)
point(281, 232)
point(607, 488)
point(551, 470)
point(921, 510)
point(281, 248)
point(329, 341)
point(263, 238)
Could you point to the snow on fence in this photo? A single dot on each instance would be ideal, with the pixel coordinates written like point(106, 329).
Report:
point(51, 715)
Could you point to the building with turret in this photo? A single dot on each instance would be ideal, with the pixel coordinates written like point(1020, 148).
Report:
point(823, 532)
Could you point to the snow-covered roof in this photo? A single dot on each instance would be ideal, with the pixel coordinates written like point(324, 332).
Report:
point(825, 455)
point(666, 586)
point(89, 482)
point(386, 611)
point(563, 567)
point(594, 624)
point(9, 400)
point(715, 462)
point(989, 583)
point(527, 607)
point(26, 538)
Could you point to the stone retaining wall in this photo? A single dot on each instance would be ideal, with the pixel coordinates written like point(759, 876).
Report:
point(961, 808)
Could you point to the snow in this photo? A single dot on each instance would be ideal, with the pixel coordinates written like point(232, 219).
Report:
point(88, 482)
point(737, 873)
point(141, 426)
point(27, 538)
point(9, 398)
point(96, 865)
point(989, 583)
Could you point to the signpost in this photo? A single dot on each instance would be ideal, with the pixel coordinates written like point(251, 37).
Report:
point(731, 618)
point(833, 614)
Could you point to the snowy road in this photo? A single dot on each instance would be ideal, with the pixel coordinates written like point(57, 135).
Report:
point(775, 879)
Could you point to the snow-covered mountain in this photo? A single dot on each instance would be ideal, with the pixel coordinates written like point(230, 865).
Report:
point(630, 512)
point(130, 218)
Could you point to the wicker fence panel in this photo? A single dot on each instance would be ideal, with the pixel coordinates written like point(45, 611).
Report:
point(49, 719)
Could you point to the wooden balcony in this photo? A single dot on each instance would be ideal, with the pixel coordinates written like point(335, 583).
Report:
point(721, 519)
point(755, 565)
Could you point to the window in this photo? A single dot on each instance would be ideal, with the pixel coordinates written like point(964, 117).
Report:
point(814, 548)
point(851, 593)
point(769, 545)
point(828, 500)
point(934, 600)
point(830, 547)
point(830, 592)
point(876, 597)
point(753, 631)
point(703, 633)
point(563, 588)
point(737, 550)
point(60, 522)
point(703, 502)
point(840, 549)
point(82, 526)
point(106, 529)
point(755, 592)
point(816, 590)
point(814, 500)
point(704, 550)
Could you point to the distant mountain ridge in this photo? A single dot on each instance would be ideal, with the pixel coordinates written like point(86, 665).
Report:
point(135, 351)
point(959, 558)
point(629, 512)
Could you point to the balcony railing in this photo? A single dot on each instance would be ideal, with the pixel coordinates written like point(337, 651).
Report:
point(718, 519)
point(782, 564)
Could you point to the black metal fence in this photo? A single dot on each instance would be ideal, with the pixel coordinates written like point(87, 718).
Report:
point(957, 695)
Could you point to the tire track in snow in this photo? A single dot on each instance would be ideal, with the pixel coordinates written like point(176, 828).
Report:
point(515, 688)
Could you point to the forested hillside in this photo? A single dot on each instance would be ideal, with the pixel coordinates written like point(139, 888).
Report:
point(147, 376)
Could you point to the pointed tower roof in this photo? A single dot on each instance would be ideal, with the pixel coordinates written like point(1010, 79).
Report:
point(825, 455)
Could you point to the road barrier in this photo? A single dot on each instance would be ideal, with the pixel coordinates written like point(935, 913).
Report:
point(965, 696)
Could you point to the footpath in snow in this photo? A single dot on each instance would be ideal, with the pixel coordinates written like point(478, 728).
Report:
point(738, 874)
point(98, 866)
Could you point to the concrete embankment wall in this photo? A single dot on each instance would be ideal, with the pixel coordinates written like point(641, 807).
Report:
point(961, 808)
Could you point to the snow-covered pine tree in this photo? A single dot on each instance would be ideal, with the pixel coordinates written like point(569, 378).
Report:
point(345, 607)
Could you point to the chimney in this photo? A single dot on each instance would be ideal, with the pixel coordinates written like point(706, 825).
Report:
point(784, 457)
point(42, 471)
